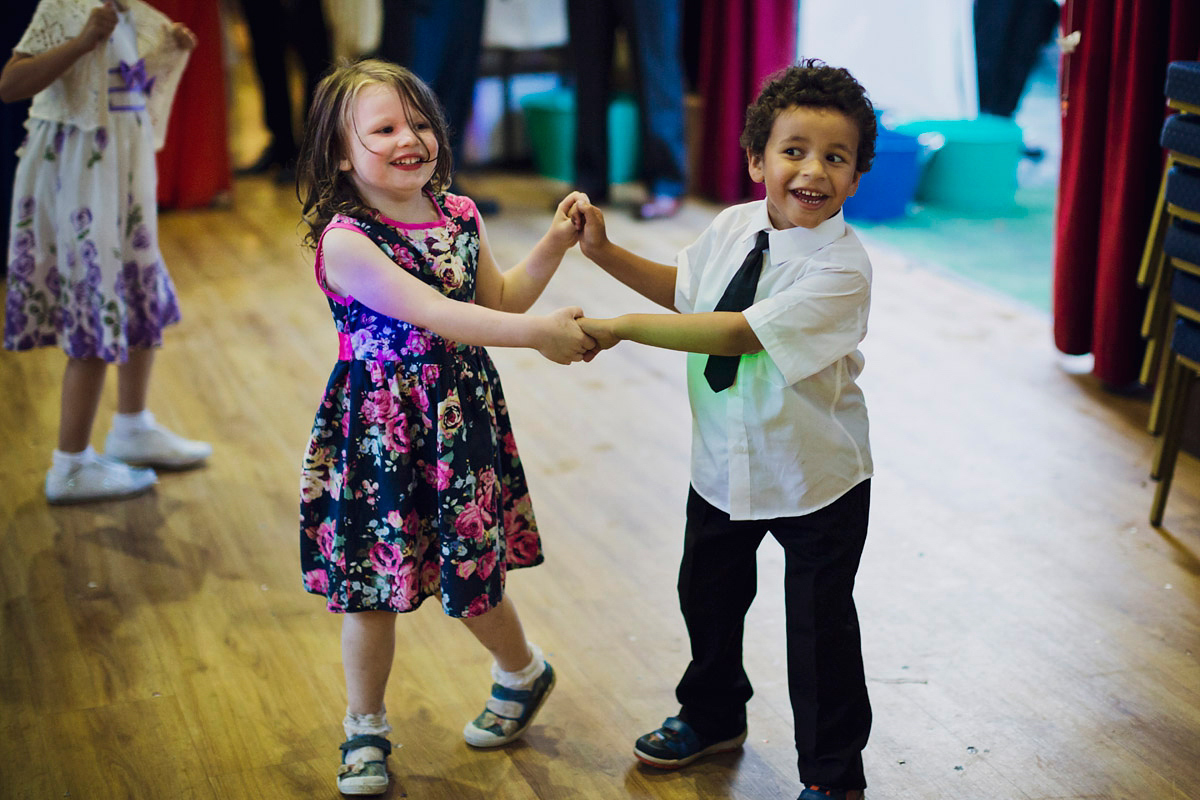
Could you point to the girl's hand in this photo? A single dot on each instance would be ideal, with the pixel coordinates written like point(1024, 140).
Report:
point(564, 231)
point(183, 36)
point(564, 342)
point(601, 330)
point(590, 221)
point(99, 26)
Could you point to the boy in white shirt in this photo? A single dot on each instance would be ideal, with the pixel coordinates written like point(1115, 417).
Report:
point(779, 439)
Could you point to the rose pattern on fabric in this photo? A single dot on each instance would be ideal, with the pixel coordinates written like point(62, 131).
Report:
point(412, 485)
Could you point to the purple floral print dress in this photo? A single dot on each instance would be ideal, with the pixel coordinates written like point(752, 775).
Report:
point(84, 267)
point(411, 484)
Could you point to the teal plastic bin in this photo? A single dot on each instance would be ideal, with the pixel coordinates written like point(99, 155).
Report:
point(550, 125)
point(973, 167)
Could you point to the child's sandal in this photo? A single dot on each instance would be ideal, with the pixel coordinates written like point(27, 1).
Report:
point(363, 777)
point(509, 712)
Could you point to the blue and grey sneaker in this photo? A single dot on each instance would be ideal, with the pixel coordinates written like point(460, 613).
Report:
point(675, 745)
point(509, 712)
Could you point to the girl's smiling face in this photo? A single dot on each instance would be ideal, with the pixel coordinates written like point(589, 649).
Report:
point(391, 150)
point(808, 166)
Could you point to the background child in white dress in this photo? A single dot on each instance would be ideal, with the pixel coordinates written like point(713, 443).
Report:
point(84, 267)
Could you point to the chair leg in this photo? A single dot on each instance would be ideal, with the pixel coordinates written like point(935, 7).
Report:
point(1170, 443)
point(1152, 252)
point(1162, 376)
point(1164, 397)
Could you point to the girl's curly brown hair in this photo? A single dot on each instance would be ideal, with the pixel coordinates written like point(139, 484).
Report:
point(811, 83)
point(323, 188)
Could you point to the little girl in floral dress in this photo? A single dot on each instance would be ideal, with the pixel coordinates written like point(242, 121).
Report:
point(412, 486)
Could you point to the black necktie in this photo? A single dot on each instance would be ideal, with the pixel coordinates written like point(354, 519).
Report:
point(739, 294)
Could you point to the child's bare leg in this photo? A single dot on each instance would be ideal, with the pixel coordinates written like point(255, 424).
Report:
point(136, 437)
point(368, 647)
point(522, 678)
point(133, 380)
point(83, 380)
point(500, 631)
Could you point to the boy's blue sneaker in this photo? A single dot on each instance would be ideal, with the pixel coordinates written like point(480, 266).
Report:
point(509, 712)
point(675, 745)
point(814, 792)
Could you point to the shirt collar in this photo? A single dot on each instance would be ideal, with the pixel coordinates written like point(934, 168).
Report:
point(792, 243)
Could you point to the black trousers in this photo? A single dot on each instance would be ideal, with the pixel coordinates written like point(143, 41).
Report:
point(441, 43)
point(275, 27)
point(655, 37)
point(718, 578)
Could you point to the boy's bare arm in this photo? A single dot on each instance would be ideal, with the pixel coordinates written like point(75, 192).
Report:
point(650, 279)
point(722, 333)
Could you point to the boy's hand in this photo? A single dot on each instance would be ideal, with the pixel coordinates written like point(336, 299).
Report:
point(601, 330)
point(590, 220)
point(183, 36)
point(564, 231)
point(99, 26)
point(564, 341)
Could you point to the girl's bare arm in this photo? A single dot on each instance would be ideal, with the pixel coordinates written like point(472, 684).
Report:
point(356, 267)
point(25, 75)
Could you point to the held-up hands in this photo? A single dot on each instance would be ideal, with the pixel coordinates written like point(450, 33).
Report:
point(99, 26)
point(103, 21)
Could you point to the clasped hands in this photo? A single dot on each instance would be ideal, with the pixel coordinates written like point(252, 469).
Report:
point(577, 221)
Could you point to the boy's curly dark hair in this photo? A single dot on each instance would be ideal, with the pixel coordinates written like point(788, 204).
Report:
point(811, 83)
point(323, 188)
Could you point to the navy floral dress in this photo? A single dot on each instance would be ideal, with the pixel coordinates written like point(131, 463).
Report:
point(412, 485)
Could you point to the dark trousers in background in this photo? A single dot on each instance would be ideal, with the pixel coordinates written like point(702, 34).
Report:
point(654, 31)
point(275, 27)
point(440, 42)
point(718, 578)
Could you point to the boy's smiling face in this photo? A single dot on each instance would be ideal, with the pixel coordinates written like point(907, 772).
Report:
point(808, 166)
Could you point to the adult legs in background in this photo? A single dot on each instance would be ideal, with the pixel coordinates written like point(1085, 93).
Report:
point(275, 27)
point(654, 29)
point(831, 709)
point(655, 38)
point(441, 43)
point(592, 25)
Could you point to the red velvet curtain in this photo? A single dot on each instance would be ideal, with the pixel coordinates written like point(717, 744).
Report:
point(741, 42)
point(1112, 87)
point(194, 166)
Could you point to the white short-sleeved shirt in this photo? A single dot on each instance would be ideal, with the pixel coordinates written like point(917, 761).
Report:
point(791, 435)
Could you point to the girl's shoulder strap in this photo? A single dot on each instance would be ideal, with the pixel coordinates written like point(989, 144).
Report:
point(338, 221)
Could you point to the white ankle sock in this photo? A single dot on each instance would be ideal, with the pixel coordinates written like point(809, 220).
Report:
point(126, 424)
point(373, 724)
point(65, 462)
point(524, 677)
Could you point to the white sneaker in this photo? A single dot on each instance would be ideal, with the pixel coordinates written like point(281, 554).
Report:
point(98, 478)
point(155, 446)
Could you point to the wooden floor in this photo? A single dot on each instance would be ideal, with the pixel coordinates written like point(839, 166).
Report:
point(1027, 634)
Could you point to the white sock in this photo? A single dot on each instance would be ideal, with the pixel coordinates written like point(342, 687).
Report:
point(65, 462)
point(373, 724)
point(127, 424)
point(522, 678)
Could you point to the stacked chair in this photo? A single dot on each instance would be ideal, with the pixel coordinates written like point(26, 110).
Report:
point(1170, 268)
